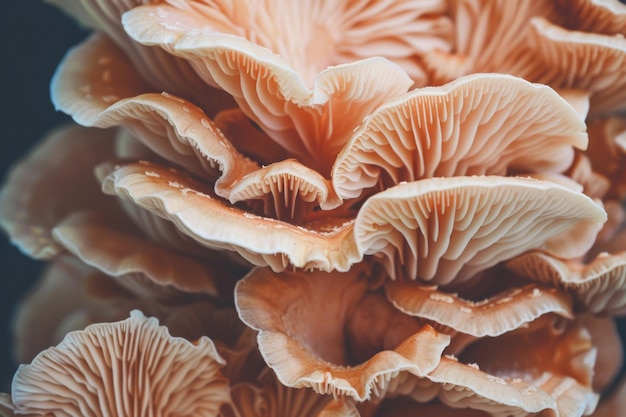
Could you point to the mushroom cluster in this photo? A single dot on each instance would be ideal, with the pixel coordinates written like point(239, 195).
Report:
point(334, 208)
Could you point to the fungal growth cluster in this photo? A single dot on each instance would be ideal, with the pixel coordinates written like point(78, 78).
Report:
point(328, 208)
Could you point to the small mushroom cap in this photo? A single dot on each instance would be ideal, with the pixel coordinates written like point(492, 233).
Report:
point(133, 367)
point(445, 230)
point(598, 287)
point(494, 316)
point(287, 189)
point(301, 319)
point(55, 179)
point(143, 267)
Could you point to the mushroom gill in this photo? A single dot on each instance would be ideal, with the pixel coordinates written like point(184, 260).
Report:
point(123, 368)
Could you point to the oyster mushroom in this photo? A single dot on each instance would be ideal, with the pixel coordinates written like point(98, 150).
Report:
point(123, 368)
point(597, 287)
point(157, 67)
point(309, 350)
point(143, 267)
point(512, 308)
point(29, 217)
point(69, 296)
point(444, 230)
point(482, 124)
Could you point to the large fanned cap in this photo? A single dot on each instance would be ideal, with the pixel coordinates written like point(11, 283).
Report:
point(482, 124)
point(131, 368)
point(445, 230)
point(181, 133)
point(301, 318)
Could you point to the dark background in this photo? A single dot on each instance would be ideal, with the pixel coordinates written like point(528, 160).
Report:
point(35, 38)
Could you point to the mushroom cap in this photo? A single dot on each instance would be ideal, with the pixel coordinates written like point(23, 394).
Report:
point(123, 368)
point(143, 267)
point(546, 367)
point(287, 189)
point(311, 122)
point(171, 127)
point(309, 36)
point(301, 319)
point(481, 124)
point(493, 316)
point(598, 287)
point(55, 179)
point(445, 230)
point(574, 59)
point(160, 70)
point(209, 220)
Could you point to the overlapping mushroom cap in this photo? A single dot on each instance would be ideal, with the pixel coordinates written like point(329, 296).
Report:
point(416, 192)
